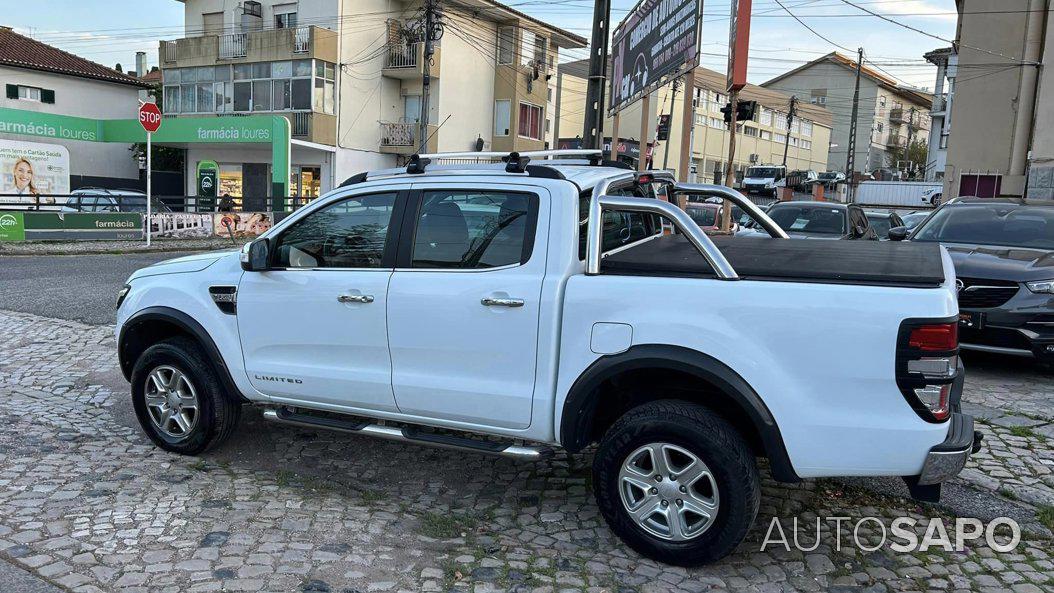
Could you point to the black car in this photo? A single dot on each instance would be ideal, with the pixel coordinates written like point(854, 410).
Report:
point(818, 220)
point(882, 221)
point(1003, 251)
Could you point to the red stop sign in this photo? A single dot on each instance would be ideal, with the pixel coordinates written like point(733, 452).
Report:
point(149, 117)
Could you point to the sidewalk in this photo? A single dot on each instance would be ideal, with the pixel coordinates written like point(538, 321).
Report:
point(94, 247)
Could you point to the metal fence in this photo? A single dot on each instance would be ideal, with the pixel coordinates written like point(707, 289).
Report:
point(105, 202)
point(402, 55)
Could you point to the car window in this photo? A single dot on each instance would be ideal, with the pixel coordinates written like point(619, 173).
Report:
point(809, 219)
point(467, 229)
point(347, 234)
point(703, 216)
point(881, 223)
point(105, 204)
point(998, 224)
point(620, 228)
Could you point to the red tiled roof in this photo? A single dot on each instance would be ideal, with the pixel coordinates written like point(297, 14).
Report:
point(153, 77)
point(23, 52)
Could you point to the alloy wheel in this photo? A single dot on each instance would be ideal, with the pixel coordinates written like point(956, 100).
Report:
point(171, 401)
point(668, 492)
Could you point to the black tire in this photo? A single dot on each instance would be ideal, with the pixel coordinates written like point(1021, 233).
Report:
point(218, 412)
point(714, 441)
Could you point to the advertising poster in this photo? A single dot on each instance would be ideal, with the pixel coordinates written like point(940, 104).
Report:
point(64, 226)
point(241, 224)
point(180, 225)
point(656, 40)
point(28, 169)
point(12, 226)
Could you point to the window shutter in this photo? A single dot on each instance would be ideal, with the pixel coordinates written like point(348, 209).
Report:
point(12, 91)
point(47, 96)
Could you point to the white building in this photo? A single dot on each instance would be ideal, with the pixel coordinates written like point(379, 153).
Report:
point(41, 78)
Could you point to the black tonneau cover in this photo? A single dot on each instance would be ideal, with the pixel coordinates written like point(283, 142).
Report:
point(883, 263)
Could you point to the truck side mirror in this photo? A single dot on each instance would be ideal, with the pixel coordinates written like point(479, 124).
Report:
point(255, 256)
point(898, 233)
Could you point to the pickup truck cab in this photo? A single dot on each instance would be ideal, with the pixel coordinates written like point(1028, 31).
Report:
point(520, 308)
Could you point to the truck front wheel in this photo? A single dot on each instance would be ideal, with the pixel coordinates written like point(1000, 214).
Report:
point(677, 483)
point(179, 401)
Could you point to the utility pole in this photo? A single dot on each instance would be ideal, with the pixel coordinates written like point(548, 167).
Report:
point(850, 159)
point(669, 142)
point(426, 68)
point(593, 132)
point(730, 169)
point(790, 121)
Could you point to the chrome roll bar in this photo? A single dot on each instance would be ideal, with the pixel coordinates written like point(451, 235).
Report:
point(736, 198)
point(595, 224)
point(679, 217)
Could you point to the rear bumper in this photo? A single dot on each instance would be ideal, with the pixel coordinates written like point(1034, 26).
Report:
point(947, 459)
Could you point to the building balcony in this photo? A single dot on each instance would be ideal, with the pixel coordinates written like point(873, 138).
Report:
point(404, 138)
point(320, 128)
point(406, 60)
point(896, 142)
point(266, 45)
point(896, 115)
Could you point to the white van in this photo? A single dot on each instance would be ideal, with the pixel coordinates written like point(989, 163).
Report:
point(765, 179)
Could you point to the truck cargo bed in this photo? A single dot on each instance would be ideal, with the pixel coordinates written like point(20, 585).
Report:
point(884, 263)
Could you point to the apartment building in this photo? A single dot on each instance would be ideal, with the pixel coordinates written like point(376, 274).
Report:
point(947, 63)
point(890, 116)
point(760, 141)
point(1003, 141)
point(348, 74)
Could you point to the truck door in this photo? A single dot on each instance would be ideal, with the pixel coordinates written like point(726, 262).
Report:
point(313, 328)
point(464, 301)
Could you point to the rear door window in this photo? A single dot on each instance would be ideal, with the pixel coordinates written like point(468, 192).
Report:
point(471, 229)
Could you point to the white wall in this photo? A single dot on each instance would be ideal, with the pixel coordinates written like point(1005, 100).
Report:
point(322, 13)
point(467, 67)
point(80, 97)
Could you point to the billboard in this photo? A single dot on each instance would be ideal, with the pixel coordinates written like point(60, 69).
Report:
point(658, 40)
point(241, 224)
point(31, 168)
point(64, 226)
point(738, 45)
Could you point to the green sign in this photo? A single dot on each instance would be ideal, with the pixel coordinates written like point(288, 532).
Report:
point(61, 226)
point(12, 227)
point(256, 129)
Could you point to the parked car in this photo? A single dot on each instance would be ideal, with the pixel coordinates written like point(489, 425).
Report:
point(111, 200)
point(818, 220)
point(803, 180)
point(912, 219)
point(1003, 250)
point(882, 221)
point(706, 215)
point(379, 310)
point(933, 196)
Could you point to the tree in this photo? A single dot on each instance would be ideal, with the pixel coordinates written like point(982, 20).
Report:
point(118, 68)
point(910, 159)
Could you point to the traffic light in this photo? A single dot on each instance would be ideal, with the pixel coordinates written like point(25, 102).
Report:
point(663, 131)
point(745, 111)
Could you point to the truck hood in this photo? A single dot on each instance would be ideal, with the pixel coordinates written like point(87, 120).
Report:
point(187, 263)
point(1015, 264)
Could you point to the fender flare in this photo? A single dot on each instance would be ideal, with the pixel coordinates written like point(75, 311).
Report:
point(581, 403)
point(189, 325)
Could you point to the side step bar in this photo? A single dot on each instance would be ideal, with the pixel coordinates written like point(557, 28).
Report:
point(407, 434)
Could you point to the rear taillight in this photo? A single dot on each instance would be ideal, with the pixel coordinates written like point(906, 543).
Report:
point(935, 337)
point(928, 366)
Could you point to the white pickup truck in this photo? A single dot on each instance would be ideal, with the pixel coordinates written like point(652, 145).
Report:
point(521, 307)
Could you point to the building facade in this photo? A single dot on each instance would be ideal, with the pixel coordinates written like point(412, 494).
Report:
point(490, 76)
point(890, 117)
point(43, 79)
point(763, 140)
point(1003, 143)
point(947, 62)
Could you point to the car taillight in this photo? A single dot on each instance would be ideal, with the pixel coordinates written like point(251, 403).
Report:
point(936, 337)
point(928, 366)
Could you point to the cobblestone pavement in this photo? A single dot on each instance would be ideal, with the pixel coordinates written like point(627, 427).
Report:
point(89, 504)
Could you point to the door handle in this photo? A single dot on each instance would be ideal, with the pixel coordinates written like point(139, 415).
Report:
point(496, 302)
point(355, 298)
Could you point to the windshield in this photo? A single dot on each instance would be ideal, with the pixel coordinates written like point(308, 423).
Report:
point(997, 224)
point(828, 175)
point(703, 216)
point(809, 219)
point(763, 172)
point(881, 224)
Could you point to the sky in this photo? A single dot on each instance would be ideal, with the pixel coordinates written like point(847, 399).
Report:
point(111, 31)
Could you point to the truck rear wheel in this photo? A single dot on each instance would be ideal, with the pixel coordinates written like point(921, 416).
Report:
point(677, 483)
point(179, 401)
